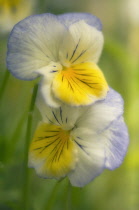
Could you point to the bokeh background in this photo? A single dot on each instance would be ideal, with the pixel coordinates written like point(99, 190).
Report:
point(20, 188)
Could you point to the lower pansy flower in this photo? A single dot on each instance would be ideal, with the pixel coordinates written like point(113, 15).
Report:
point(79, 142)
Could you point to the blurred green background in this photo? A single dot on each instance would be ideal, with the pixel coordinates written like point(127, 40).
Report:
point(22, 189)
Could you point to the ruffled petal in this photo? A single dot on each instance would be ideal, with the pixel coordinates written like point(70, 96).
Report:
point(71, 18)
point(91, 158)
point(101, 114)
point(81, 84)
point(33, 43)
point(52, 153)
point(98, 151)
point(81, 43)
point(116, 141)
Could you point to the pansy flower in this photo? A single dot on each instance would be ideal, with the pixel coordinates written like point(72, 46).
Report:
point(79, 142)
point(64, 51)
point(12, 11)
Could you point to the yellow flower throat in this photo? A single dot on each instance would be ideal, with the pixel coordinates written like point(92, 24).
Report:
point(54, 145)
point(80, 84)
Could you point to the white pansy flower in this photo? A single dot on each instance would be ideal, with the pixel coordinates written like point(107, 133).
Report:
point(79, 142)
point(12, 11)
point(64, 51)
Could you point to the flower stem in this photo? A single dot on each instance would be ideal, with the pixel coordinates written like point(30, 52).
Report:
point(25, 193)
point(69, 197)
point(15, 136)
point(51, 199)
point(4, 83)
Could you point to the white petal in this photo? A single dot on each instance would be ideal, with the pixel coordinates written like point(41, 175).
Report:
point(33, 43)
point(48, 72)
point(46, 93)
point(98, 151)
point(81, 43)
point(91, 158)
point(64, 116)
point(99, 115)
point(70, 18)
point(45, 89)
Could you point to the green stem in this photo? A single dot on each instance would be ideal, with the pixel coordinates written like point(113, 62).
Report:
point(15, 136)
point(4, 83)
point(25, 193)
point(69, 197)
point(50, 202)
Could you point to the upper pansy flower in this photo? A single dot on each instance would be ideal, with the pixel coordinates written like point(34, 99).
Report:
point(79, 142)
point(64, 50)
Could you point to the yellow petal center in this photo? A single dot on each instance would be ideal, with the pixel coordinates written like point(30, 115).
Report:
point(80, 84)
point(54, 149)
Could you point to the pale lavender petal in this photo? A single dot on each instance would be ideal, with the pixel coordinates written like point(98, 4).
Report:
point(33, 43)
point(70, 18)
point(97, 152)
point(116, 143)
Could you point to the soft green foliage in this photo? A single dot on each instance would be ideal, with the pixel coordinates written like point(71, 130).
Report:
point(21, 188)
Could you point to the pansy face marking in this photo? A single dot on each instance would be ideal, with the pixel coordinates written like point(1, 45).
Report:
point(79, 142)
point(64, 50)
point(53, 144)
point(80, 84)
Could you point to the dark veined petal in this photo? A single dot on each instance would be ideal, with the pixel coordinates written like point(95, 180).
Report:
point(80, 84)
point(52, 152)
point(98, 151)
point(81, 43)
point(91, 157)
point(64, 116)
